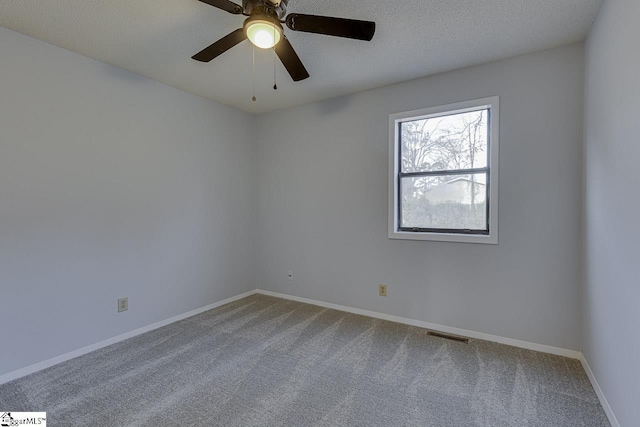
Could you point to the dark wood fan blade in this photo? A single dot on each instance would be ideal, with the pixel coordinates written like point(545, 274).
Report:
point(226, 5)
point(290, 60)
point(339, 27)
point(221, 46)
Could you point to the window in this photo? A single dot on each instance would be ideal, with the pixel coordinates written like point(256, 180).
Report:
point(443, 173)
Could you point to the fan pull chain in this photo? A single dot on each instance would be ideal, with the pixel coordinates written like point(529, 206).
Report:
point(253, 98)
point(275, 83)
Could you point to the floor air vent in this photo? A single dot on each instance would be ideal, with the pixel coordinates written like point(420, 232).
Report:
point(449, 337)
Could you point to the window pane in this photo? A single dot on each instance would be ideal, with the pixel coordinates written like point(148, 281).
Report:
point(445, 202)
point(457, 141)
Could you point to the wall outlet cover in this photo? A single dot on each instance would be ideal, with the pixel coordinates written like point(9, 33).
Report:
point(123, 304)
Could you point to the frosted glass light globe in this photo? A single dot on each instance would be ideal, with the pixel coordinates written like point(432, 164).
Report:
point(263, 34)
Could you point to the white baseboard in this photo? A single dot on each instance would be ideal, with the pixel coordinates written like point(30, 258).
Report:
point(93, 347)
point(603, 400)
point(427, 325)
point(433, 326)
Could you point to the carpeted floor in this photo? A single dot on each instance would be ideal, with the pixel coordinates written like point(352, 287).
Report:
point(264, 361)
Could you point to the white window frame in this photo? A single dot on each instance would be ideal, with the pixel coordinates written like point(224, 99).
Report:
point(493, 104)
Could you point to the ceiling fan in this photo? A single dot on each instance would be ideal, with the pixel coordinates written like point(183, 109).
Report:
point(263, 28)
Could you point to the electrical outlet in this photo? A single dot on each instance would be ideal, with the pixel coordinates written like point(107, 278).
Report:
point(290, 275)
point(123, 304)
point(382, 290)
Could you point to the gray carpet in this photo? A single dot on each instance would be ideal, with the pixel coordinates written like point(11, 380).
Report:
point(264, 361)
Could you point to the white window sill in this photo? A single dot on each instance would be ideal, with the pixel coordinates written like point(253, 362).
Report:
point(491, 239)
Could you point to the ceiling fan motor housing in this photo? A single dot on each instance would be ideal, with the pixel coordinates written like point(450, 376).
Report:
point(277, 8)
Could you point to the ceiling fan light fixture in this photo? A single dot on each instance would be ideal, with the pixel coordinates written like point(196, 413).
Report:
point(263, 33)
point(263, 28)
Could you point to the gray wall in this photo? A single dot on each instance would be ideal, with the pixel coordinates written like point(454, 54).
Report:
point(612, 207)
point(112, 185)
point(322, 205)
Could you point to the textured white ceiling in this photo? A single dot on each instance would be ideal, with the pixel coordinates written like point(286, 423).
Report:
point(414, 38)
